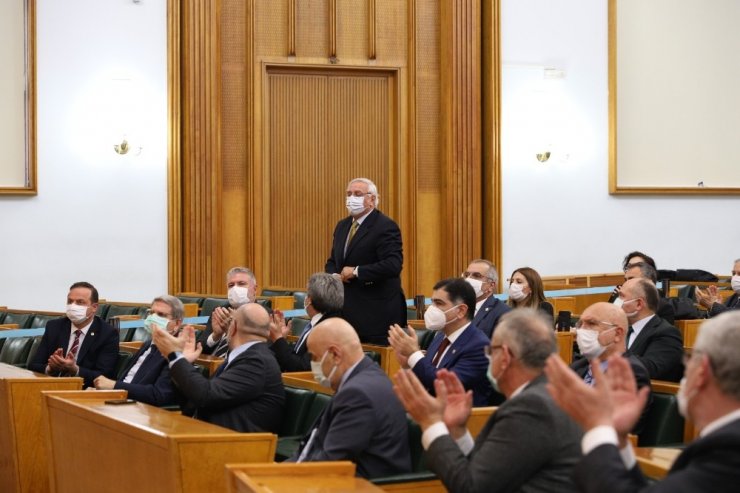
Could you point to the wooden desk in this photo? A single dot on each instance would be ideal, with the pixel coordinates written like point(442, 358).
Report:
point(388, 361)
point(130, 347)
point(478, 418)
point(304, 380)
point(23, 465)
point(136, 447)
point(326, 477)
point(565, 345)
point(655, 462)
point(689, 330)
point(209, 361)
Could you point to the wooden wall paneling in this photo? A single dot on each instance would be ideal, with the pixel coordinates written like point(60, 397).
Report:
point(333, 31)
point(461, 131)
point(352, 27)
point(174, 142)
point(371, 53)
point(291, 27)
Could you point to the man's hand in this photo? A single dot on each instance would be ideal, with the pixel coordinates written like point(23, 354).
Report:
point(459, 402)
point(708, 297)
point(63, 364)
point(55, 361)
point(423, 408)
point(627, 400)
point(347, 273)
point(404, 342)
point(219, 322)
point(103, 383)
point(278, 327)
point(191, 348)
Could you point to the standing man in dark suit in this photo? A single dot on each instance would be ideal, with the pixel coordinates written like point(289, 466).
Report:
point(241, 286)
point(146, 377)
point(367, 255)
point(600, 334)
point(457, 347)
point(654, 341)
point(482, 276)
point(709, 396)
point(79, 344)
point(324, 300)
point(364, 422)
point(528, 444)
point(246, 393)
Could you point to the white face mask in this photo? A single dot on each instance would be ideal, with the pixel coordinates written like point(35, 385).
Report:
point(491, 379)
point(355, 205)
point(76, 313)
point(155, 320)
point(683, 399)
point(516, 291)
point(589, 344)
point(477, 286)
point(434, 318)
point(238, 296)
point(618, 302)
point(629, 314)
point(735, 283)
point(318, 373)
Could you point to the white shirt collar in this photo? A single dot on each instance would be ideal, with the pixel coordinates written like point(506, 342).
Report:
point(84, 329)
point(479, 304)
point(453, 337)
point(362, 217)
point(518, 390)
point(720, 422)
point(638, 326)
point(315, 319)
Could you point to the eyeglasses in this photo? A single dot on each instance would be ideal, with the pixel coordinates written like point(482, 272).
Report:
point(477, 275)
point(490, 349)
point(592, 323)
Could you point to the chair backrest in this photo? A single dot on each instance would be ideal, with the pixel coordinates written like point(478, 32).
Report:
point(32, 350)
point(418, 464)
point(39, 321)
point(15, 350)
point(299, 297)
point(373, 356)
point(297, 325)
point(425, 337)
point(297, 404)
point(2, 316)
point(275, 292)
point(320, 401)
point(140, 334)
point(198, 300)
point(22, 319)
point(116, 310)
point(210, 304)
point(663, 425)
point(264, 303)
point(125, 335)
point(102, 311)
point(123, 358)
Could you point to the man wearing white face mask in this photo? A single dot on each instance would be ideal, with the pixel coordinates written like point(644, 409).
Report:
point(367, 256)
point(457, 347)
point(80, 344)
point(600, 334)
point(364, 422)
point(241, 285)
point(709, 396)
point(711, 300)
point(482, 276)
point(147, 375)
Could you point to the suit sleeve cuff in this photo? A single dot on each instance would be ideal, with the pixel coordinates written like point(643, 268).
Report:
point(606, 435)
point(174, 361)
point(210, 342)
point(356, 272)
point(435, 431)
point(415, 358)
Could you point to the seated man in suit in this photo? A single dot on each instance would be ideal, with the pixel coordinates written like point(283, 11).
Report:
point(79, 344)
point(246, 393)
point(146, 377)
point(600, 334)
point(643, 270)
point(457, 347)
point(482, 275)
point(324, 299)
point(364, 422)
point(654, 341)
point(711, 300)
point(709, 396)
point(528, 444)
point(241, 285)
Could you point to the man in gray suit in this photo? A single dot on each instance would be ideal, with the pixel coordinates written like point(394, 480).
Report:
point(364, 422)
point(528, 444)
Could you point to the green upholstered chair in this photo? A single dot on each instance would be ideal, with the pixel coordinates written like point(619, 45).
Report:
point(663, 425)
point(123, 358)
point(299, 323)
point(22, 319)
point(299, 297)
point(373, 356)
point(139, 334)
point(275, 292)
point(39, 321)
point(419, 472)
point(32, 351)
point(288, 445)
point(297, 404)
point(117, 310)
point(198, 300)
point(210, 304)
point(265, 303)
point(102, 311)
point(15, 350)
point(2, 317)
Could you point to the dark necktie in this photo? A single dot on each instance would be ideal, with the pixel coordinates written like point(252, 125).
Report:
point(352, 231)
point(75, 345)
point(630, 331)
point(440, 351)
point(302, 338)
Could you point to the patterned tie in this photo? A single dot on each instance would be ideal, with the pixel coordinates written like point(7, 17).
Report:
point(352, 231)
point(302, 338)
point(440, 351)
point(589, 377)
point(75, 345)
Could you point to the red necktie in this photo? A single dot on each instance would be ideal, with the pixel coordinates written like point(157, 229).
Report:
point(440, 351)
point(75, 345)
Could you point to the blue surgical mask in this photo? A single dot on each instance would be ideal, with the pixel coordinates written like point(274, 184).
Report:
point(155, 320)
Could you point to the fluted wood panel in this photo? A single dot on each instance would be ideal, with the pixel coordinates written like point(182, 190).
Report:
point(461, 129)
point(324, 129)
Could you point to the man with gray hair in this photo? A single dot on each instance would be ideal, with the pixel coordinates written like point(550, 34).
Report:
point(643, 270)
point(241, 286)
point(482, 275)
point(246, 393)
point(709, 396)
point(367, 256)
point(528, 444)
point(147, 375)
point(324, 300)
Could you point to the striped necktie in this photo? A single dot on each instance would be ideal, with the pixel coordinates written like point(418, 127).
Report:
point(75, 345)
point(302, 338)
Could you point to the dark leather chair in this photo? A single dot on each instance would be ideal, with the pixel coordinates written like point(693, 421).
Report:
point(15, 350)
point(32, 352)
point(419, 471)
point(210, 304)
point(39, 321)
point(297, 404)
point(22, 319)
point(299, 297)
point(267, 304)
point(275, 292)
point(102, 311)
point(288, 446)
point(116, 310)
point(298, 325)
point(663, 425)
point(2, 317)
point(198, 300)
point(123, 358)
point(139, 334)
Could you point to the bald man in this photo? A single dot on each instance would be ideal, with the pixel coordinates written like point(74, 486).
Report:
point(600, 333)
point(364, 422)
point(246, 393)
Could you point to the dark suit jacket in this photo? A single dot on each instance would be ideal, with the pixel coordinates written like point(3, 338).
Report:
point(247, 396)
point(490, 312)
point(373, 301)
point(365, 423)
point(290, 360)
point(732, 303)
point(97, 355)
point(660, 348)
point(642, 378)
point(203, 337)
point(465, 357)
point(151, 383)
point(711, 463)
point(529, 444)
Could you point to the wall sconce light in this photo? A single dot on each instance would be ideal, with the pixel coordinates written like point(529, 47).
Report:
point(541, 156)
